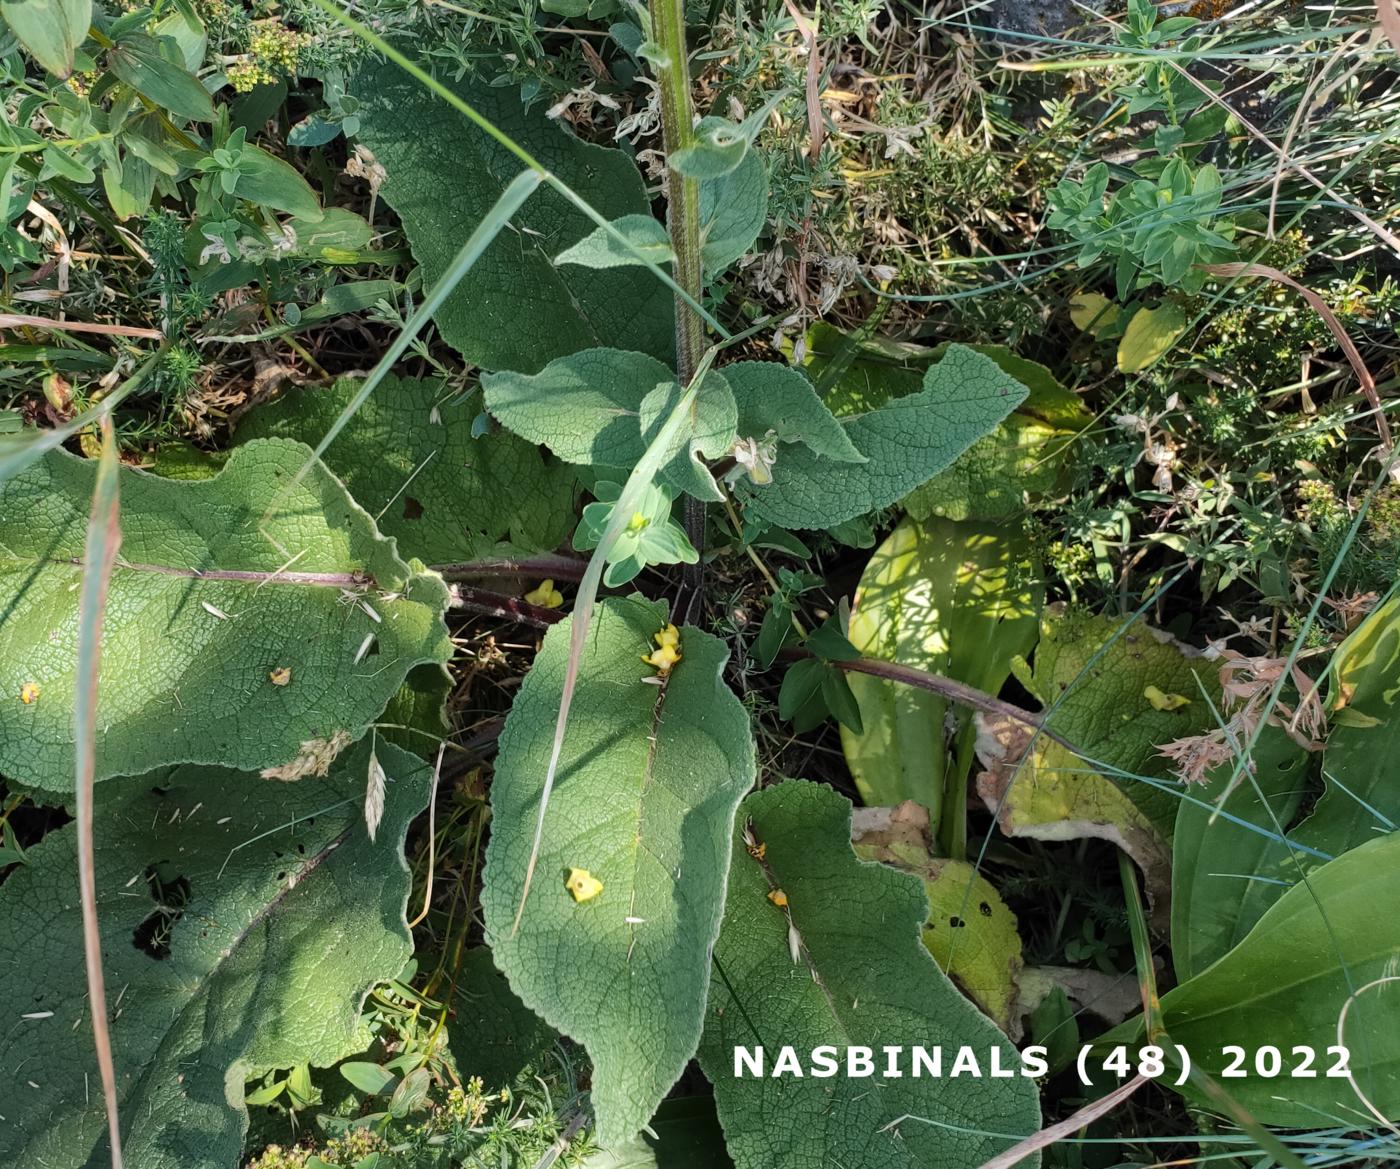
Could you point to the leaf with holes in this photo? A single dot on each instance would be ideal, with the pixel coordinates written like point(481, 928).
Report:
point(517, 309)
point(645, 797)
point(230, 639)
point(841, 965)
point(409, 458)
point(239, 934)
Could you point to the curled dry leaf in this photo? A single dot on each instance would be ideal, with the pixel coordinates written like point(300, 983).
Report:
point(1038, 789)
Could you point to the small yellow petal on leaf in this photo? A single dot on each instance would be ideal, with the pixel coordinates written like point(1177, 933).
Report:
point(583, 885)
point(280, 676)
point(29, 693)
point(546, 595)
point(1161, 700)
point(778, 898)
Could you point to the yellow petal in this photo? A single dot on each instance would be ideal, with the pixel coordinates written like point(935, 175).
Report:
point(1161, 700)
point(29, 693)
point(280, 676)
point(546, 595)
point(778, 898)
point(583, 885)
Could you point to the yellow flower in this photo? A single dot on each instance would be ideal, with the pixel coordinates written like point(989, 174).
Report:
point(663, 659)
point(546, 595)
point(668, 651)
point(29, 693)
point(583, 885)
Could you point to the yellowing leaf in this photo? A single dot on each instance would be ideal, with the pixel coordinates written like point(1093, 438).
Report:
point(583, 885)
point(1092, 312)
point(1149, 335)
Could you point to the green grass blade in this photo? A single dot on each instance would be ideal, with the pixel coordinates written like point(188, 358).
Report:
point(632, 491)
point(511, 200)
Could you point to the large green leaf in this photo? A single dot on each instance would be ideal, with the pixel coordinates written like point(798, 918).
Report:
point(774, 398)
point(647, 786)
point(1362, 796)
point(50, 29)
point(905, 441)
point(280, 914)
point(603, 407)
point(409, 459)
point(207, 601)
point(493, 1034)
point(1025, 458)
point(1321, 948)
point(155, 68)
point(961, 600)
point(517, 309)
point(1225, 874)
point(842, 966)
point(585, 407)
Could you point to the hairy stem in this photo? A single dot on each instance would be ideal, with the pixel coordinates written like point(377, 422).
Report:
point(678, 132)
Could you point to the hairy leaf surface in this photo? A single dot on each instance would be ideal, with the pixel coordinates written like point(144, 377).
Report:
point(861, 977)
point(517, 309)
point(1022, 460)
point(906, 442)
point(409, 459)
point(206, 603)
point(603, 407)
point(644, 802)
point(280, 915)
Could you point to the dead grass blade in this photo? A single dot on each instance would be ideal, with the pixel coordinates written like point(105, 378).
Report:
point(1071, 1124)
point(19, 321)
point(103, 539)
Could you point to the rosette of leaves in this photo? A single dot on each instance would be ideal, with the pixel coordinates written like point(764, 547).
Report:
point(651, 536)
